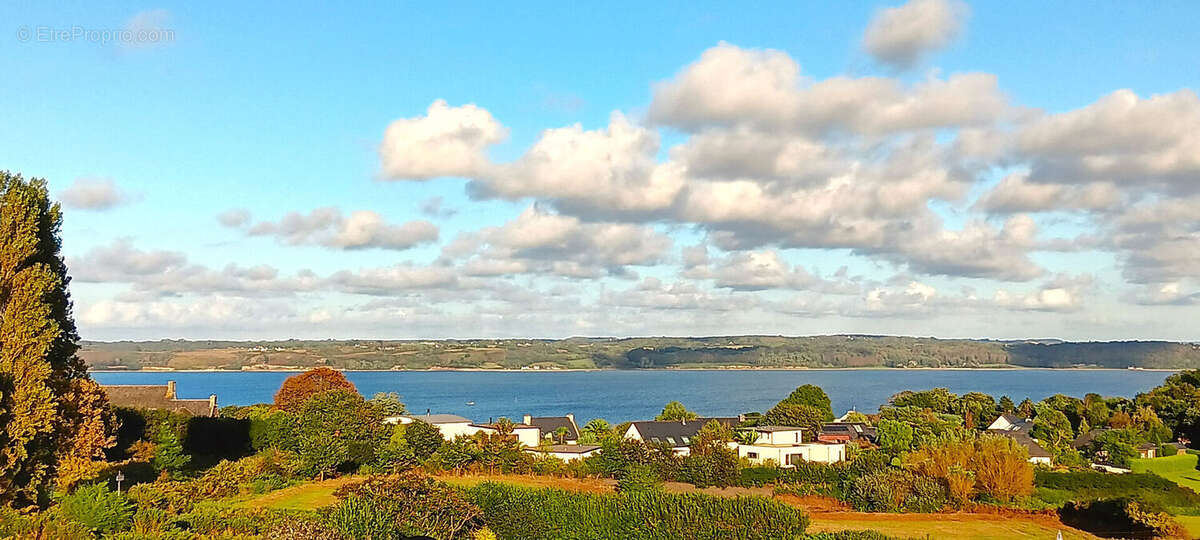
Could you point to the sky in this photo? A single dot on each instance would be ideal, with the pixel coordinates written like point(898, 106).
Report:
point(477, 170)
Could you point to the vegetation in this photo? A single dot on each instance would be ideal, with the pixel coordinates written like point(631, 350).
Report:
point(674, 412)
point(52, 416)
point(296, 390)
point(515, 512)
point(837, 351)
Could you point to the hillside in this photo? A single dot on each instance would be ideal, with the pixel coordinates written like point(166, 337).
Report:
point(841, 351)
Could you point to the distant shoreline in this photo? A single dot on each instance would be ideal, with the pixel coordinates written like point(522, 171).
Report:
point(482, 370)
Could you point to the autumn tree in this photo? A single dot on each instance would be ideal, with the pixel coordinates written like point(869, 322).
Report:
point(82, 457)
point(45, 411)
point(297, 389)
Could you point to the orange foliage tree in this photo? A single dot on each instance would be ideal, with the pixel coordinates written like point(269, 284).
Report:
point(296, 389)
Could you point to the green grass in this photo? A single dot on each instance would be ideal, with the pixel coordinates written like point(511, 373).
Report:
point(1191, 523)
point(1180, 469)
point(308, 496)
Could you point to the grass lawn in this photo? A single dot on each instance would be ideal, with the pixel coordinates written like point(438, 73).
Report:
point(1191, 523)
point(308, 496)
point(947, 526)
point(1180, 469)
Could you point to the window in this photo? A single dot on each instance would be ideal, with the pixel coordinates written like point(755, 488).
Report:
point(797, 436)
point(752, 455)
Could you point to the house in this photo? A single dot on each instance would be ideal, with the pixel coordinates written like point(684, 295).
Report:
point(549, 425)
point(677, 434)
point(565, 452)
point(450, 425)
point(1085, 440)
point(784, 445)
point(1018, 429)
point(1148, 450)
point(158, 397)
point(843, 432)
point(1011, 422)
point(526, 434)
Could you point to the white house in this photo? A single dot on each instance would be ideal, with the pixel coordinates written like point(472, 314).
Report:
point(784, 445)
point(1019, 429)
point(565, 452)
point(526, 434)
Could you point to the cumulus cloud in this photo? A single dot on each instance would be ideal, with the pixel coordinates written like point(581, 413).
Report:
point(762, 270)
point(767, 93)
point(1144, 143)
point(590, 171)
point(1017, 194)
point(447, 141)
point(360, 230)
point(1063, 294)
point(901, 36)
point(96, 194)
point(538, 241)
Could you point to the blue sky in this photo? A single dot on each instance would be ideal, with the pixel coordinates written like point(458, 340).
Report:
point(272, 111)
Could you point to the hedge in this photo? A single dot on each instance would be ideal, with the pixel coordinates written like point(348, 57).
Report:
point(515, 512)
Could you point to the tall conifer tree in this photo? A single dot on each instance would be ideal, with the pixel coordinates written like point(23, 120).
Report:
point(40, 374)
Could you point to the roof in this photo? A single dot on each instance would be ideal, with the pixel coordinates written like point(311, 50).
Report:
point(549, 424)
point(770, 429)
point(1087, 438)
point(441, 419)
point(854, 430)
point(676, 433)
point(1015, 422)
point(1023, 439)
point(565, 448)
point(494, 426)
point(155, 396)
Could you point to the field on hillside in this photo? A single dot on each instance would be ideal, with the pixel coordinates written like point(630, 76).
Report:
point(1180, 469)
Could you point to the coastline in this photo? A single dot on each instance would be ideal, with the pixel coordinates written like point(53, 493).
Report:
point(569, 370)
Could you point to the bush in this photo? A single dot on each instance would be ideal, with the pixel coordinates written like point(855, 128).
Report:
point(514, 512)
point(1167, 449)
point(1121, 517)
point(639, 478)
point(97, 508)
point(217, 519)
point(44, 525)
point(407, 504)
point(758, 476)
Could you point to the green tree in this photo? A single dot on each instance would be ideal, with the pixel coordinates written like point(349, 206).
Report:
point(894, 436)
point(336, 428)
point(1051, 428)
point(38, 342)
point(674, 412)
point(813, 396)
point(424, 438)
point(803, 416)
point(388, 404)
point(169, 456)
point(1006, 405)
point(1177, 403)
point(596, 431)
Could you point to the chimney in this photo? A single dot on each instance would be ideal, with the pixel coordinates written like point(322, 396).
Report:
point(170, 389)
point(571, 417)
point(527, 420)
point(212, 404)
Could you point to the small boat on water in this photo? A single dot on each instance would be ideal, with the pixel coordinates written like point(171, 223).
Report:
point(470, 403)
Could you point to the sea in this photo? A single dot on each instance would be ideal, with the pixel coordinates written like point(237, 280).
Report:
point(619, 396)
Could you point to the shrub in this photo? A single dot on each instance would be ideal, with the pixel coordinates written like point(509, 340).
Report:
point(407, 503)
point(97, 508)
point(639, 478)
point(14, 524)
point(515, 512)
point(216, 519)
point(1167, 449)
point(424, 438)
point(758, 476)
point(1121, 517)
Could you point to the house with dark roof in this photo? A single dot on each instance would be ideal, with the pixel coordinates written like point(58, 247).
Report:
point(1018, 429)
point(844, 432)
point(158, 397)
point(549, 426)
point(677, 434)
point(1085, 440)
point(1011, 422)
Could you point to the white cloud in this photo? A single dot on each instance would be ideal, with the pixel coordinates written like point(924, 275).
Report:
point(901, 36)
point(360, 230)
point(234, 217)
point(96, 194)
point(447, 141)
